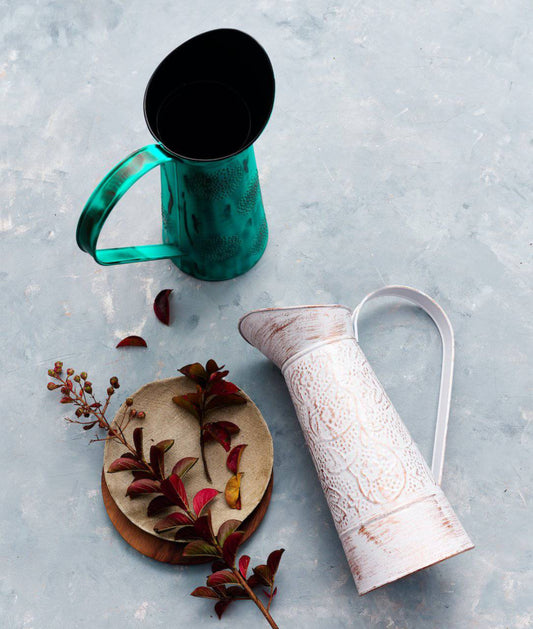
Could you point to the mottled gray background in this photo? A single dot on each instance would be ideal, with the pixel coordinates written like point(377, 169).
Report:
point(399, 151)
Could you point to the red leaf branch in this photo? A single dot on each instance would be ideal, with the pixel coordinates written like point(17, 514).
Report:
point(212, 392)
point(192, 524)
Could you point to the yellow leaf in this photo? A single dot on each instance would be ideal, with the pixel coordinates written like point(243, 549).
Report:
point(233, 491)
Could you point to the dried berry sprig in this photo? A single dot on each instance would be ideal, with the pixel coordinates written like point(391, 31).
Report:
point(78, 390)
point(212, 392)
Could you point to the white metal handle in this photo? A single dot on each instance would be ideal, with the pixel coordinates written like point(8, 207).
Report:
point(444, 326)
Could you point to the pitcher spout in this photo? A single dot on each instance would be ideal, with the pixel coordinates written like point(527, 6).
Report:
point(282, 333)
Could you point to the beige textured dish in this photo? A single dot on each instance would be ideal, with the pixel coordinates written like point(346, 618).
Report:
point(165, 420)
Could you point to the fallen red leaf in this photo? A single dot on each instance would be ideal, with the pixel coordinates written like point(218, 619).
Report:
point(162, 306)
point(234, 458)
point(132, 341)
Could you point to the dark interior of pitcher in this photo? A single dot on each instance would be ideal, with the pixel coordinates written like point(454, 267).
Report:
point(211, 97)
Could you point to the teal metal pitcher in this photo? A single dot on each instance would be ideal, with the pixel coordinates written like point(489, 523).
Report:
point(206, 104)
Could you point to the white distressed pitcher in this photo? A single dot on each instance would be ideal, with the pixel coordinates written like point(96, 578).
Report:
point(389, 510)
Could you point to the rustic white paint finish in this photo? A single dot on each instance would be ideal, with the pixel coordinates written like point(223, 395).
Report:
point(391, 516)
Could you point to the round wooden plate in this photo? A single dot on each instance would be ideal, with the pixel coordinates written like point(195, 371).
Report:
point(166, 420)
point(164, 550)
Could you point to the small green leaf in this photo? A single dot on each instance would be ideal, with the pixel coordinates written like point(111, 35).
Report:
point(263, 574)
point(171, 522)
point(143, 486)
point(165, 445)
point(231, 544)
point(157, 457)
point(184, 465)
point(195, 372)
point(226, 529)
point(273, 560)
point(221, 578)
point(204, 592)
point(158, 504)
point(143, 474)
point(204, 527)
point(185, 534)
point(235, 590)
point(157, 461)
point(183, 402)
point(223, 401)
point(253, 581)
point(199, 548)
point(126, 465)
point(211, 366)
point(221, 607)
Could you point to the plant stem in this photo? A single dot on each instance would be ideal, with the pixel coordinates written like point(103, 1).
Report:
point(202, 450)
point(271, 597)
point(202, 440)
point(254, 598)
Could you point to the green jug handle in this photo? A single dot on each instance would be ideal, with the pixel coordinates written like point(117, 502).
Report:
point(104, 198)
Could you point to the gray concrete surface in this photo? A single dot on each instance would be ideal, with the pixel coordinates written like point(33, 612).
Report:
point(399, 151)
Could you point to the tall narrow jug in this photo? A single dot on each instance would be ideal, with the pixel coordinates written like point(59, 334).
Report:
point(391, 515)
point(206, 104)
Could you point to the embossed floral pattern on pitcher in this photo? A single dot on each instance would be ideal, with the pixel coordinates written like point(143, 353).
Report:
point(390, 514)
